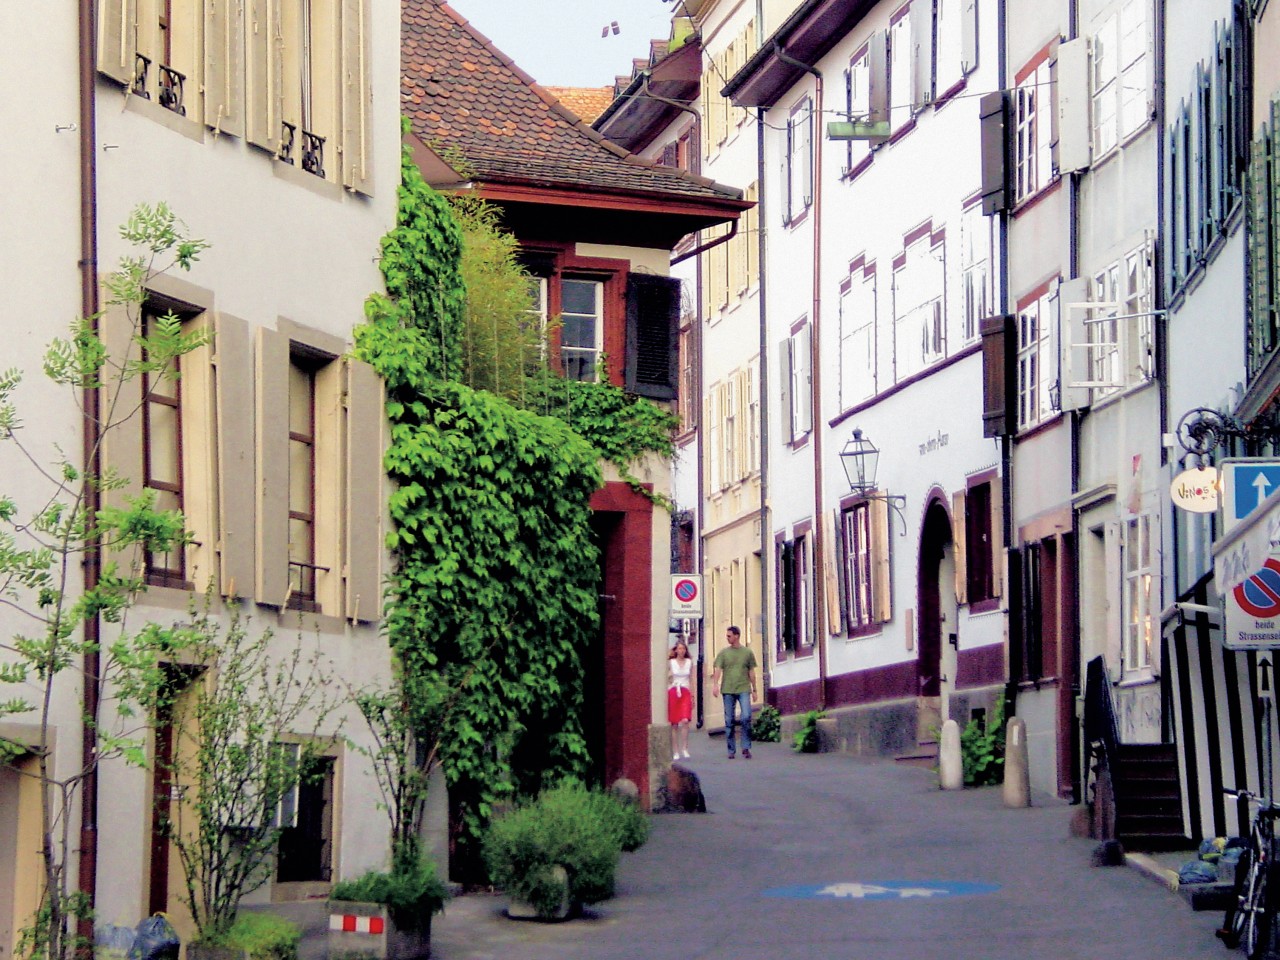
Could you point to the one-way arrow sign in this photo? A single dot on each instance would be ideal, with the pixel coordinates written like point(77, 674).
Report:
point(1245, 485)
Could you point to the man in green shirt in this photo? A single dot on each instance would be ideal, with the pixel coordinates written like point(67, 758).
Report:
point(734, 678)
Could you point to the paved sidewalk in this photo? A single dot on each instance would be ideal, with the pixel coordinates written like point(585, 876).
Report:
point(730, 884)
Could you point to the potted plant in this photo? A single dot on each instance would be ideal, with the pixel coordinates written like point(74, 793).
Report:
point(561, 850)
point(387, 915)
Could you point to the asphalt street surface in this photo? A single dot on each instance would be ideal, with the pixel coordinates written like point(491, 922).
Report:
point(830, 856)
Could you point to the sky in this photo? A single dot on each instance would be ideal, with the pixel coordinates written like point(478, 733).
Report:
point(558, 42)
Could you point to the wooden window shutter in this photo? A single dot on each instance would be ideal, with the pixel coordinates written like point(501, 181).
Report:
point(264, 104)
point(272, 468)
point(237, 505)
point(803, 359)
point(653, 332)
point(993, 118)
point(878, 77)
point(117, 39)
point(1017, 618)
point(997, 536)
point(968, 35)
point(224, 66)
point(744, 411)
point(363, 513)
point(881, 578)
point(959, 535)
point(1259, 250)
point(831, 570)
point(785, 406)
point(998, 360)
point(122, 440)
point(357, 94)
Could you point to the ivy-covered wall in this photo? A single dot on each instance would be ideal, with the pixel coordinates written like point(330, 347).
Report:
point(497, 573)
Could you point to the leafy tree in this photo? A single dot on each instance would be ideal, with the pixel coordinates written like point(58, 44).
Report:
point(48, 528)
point(246, 721)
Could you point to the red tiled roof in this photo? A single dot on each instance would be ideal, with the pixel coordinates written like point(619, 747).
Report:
point(586, 103)
point(463, 94)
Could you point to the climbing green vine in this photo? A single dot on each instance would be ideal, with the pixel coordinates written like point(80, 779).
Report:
point(495, 586)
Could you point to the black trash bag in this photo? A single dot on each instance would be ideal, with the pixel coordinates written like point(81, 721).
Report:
point(155, 939)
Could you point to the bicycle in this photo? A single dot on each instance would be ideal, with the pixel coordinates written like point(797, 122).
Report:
point(1250, 919)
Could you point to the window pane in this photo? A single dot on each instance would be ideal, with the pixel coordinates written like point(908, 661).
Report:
point(162, 422)
point(300, 393)
point(579, 296)
point(300, 476)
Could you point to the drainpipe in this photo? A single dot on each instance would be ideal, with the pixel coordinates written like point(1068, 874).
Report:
point(815, 381)
point(88, 869)
point(766, 553)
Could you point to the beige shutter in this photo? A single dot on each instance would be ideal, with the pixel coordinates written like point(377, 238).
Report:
point(363, 509)
point(224, 66)
point(272, 468)
point(881, 581)
point(357, 121)
point(831, 570)
point(117, 38)
point(263, 69)
point(959, 532)
point(120, 402)
point(744, 412)
point(997, 537)
point(235, 473)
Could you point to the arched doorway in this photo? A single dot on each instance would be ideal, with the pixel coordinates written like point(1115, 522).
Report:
point(937, 629)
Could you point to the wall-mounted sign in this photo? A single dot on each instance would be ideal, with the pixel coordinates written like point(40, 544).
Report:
point(1196, 490)
point(1245, 484)
point(1253, 610)
point(686, 596)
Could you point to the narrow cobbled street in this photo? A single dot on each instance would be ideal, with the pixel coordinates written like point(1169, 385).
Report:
point(827, 856)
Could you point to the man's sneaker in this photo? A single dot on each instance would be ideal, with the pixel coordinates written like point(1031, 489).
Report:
point(732, 754)
point(746, 754)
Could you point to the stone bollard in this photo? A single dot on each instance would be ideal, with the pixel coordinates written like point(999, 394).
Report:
point(950, 766)
point(1017, 778)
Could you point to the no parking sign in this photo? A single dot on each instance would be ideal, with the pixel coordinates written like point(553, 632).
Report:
point(686, 596)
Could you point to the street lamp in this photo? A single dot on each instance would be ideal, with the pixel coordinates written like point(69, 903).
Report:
point(859, 457)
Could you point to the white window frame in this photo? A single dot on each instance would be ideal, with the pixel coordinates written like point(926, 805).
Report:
point(857, 340)
point(902, 107)
point(1121, 327)
point(949, 44)
point(857, 101)
point(753, 421)
point(1140, 591)
point(799, 160)
point(1033, 159)
point(799, 362)
point(975, 270)
point(580, 352)
point(1120, 76)
point(859, 566)
point(1037, 358)
point(919, 307)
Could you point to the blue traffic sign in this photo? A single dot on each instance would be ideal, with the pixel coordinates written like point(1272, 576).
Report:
point(1245, 485)
point(883, 890)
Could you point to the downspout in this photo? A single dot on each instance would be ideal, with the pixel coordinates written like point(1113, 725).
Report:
point(86, 876)
point(815, 381)
point(1006, 440)
point(766, 553)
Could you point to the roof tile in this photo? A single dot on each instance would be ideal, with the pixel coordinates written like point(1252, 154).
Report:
point(462, 93)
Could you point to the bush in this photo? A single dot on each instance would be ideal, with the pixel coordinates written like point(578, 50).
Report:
point(766, 725)
point(805, 740)
point(982, 749)
point(263, 936)
point(412, 893)
point(584, 831)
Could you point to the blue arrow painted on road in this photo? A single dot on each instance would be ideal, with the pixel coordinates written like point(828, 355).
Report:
point(883, 890)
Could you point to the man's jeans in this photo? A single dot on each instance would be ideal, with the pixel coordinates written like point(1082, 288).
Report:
point(743, 702)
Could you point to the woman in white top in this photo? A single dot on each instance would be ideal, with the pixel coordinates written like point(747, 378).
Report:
point(679, 699)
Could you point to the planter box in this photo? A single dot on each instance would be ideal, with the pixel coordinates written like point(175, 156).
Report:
point(366, 930)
